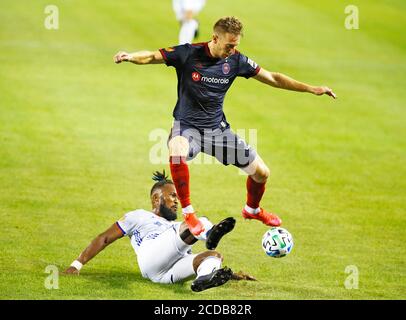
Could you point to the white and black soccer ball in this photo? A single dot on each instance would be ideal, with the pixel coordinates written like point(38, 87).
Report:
point(277, 242)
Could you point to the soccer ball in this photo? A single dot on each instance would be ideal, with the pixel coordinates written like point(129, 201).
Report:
point(277, 242)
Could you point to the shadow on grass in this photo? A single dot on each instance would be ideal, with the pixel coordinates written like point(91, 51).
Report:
point(125, 280)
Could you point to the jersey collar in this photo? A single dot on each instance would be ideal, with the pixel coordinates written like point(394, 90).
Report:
point(207, 50)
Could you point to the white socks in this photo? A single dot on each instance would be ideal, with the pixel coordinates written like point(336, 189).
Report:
point(251, 210)
point(208, 265)
point(207, 227)
point(187, 31)
point(188, 209)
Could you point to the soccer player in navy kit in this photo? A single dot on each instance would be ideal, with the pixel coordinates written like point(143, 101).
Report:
point(205, 72)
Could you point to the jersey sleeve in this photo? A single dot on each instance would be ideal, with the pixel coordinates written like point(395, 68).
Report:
point(128, 223)
point(247, 68)
point(176, 56)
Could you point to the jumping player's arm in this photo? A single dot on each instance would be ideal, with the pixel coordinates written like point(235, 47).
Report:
point(171, 56)
point(279, 80)
point(98, 244)
point(139, 57)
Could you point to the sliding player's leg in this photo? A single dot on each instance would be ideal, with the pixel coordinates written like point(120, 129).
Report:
point(209, 271)
point(206, 267)
point(212, 236)
point(168, 258)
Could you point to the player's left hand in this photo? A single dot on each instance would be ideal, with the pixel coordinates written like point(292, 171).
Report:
point(324, 90)
point(71, 270)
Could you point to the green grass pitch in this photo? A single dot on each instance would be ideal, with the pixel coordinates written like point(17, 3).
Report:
point(75, 143)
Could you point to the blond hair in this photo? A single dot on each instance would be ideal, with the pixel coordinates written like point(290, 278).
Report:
point(228, 25)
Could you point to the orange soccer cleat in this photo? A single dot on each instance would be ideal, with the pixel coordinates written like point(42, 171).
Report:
point(267, 218)
point(195, 225)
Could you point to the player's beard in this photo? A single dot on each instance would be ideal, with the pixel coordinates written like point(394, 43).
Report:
point(167, 213)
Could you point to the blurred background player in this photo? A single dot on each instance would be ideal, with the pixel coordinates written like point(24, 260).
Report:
point(163, 246)
point(186, 12)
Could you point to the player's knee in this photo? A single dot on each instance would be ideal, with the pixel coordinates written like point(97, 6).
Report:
point(188, 15)
point(262, 174)
point(216, 254)
point(178, 146)
point(265, 172)
point(210, 253)
point(202, 256)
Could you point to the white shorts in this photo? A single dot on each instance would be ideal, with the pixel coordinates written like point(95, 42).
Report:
point(181, 6)
point(166, 259)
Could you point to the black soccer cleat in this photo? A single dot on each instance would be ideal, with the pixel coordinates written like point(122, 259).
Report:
point(218, 231)
point(214, 279)
point(197, 32)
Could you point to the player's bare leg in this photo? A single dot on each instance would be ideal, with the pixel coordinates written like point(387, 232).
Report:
point(258, 174)
point(207, 265)
point(178, 150)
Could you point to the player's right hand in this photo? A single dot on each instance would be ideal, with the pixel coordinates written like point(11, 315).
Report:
point(71, 270)
point(121, 56)
point(324, 90)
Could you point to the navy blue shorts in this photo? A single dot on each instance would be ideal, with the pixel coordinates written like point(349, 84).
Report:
point(223, 144)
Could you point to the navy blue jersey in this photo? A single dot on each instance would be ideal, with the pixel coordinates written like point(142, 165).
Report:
point(203, 82)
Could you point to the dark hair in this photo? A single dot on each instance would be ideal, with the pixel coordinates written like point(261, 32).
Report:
point(229, 25)
point(161, 180)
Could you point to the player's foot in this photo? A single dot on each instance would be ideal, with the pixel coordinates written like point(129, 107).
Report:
point(218, 231)
point(214, 279)
point(194, 224)
point(267, 218)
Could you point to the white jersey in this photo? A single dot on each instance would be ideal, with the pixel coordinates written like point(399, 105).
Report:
point(141, 225)
point(161, 253)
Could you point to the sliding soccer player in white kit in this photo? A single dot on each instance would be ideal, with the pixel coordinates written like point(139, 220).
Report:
point(163, 246)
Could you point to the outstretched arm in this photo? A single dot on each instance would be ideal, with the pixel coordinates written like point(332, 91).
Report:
point(98, 244)
point(140, 57)
point(279, 80)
